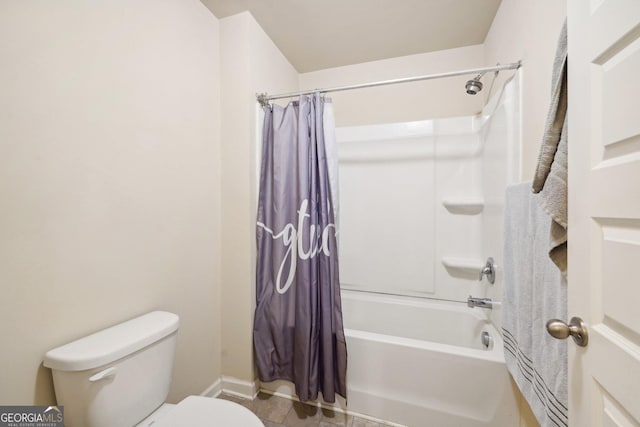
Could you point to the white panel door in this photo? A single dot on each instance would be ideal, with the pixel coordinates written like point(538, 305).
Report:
point(604, 210)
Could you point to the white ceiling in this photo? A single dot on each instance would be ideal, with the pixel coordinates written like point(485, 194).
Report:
point(318, 34)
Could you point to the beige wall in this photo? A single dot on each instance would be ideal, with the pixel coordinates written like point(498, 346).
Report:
point(250, 63)
point(109, 181)
point(528, 31)
point(401, 102)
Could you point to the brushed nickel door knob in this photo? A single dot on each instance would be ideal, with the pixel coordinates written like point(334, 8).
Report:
point(576, 329)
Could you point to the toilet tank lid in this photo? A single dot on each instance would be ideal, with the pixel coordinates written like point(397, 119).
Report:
point(111, 344)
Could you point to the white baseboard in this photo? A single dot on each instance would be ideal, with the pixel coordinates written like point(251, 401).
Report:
point(232, 386)
point(214, 389)
point(240, 388)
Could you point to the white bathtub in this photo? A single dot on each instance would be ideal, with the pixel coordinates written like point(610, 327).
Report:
point(421, 363)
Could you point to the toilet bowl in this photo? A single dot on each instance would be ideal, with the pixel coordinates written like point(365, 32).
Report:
point(120, 377)
point(204, 411)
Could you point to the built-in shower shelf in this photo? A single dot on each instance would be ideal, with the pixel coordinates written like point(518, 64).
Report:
point(464, 206)
point(468, 268)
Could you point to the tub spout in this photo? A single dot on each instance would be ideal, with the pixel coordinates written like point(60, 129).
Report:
point(479, 302)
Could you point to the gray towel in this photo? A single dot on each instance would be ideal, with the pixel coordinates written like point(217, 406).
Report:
point(551, 173)
point(534, 292)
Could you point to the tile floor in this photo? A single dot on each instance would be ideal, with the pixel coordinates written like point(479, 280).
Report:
point(277, 411)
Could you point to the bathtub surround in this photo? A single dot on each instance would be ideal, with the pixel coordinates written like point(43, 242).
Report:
point(427, 354)
point(298, 332)
point(446, 175)
point(534, 292)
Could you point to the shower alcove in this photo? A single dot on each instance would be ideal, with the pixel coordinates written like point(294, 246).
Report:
point(421, 209)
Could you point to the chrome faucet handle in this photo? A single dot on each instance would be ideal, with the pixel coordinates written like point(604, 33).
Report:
point(489, 271)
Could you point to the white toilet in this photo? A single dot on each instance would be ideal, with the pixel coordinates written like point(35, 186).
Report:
point(120, 377)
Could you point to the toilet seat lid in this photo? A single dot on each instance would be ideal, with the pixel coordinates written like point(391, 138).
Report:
point(205, 411)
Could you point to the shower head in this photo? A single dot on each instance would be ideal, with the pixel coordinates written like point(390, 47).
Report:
point(474, 86)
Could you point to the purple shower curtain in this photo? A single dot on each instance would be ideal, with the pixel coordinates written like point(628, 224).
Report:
point(298, 332)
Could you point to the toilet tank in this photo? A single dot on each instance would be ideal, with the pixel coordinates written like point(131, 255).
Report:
point(118, 376)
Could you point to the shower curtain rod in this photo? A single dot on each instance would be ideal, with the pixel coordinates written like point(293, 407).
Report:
point(264, 98)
